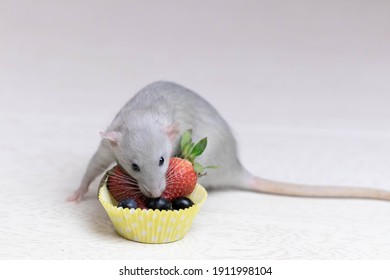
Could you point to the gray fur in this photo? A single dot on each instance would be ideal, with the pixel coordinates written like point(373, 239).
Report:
point(150, 125)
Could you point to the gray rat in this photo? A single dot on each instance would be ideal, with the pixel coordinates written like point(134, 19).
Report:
point(147, 132)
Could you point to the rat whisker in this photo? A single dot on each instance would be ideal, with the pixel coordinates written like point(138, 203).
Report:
point(122, 176)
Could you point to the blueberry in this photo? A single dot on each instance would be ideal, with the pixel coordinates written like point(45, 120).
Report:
point(159, 204)
point(128, 203)
point(182, 203)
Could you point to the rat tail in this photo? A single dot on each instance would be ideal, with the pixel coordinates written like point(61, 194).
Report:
point(280, 188)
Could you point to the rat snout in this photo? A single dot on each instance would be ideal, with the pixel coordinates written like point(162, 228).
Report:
point(155, 193)
point(153, 189)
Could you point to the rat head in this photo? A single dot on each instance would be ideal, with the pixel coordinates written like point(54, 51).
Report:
point(143, 150)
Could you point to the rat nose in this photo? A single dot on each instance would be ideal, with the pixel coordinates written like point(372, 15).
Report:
point(151, 192)
point(153, 189)
point(155, 193)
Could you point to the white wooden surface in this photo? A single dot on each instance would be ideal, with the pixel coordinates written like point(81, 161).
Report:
point(304, 86)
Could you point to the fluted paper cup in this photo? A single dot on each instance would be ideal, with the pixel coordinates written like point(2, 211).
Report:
point(151, 226)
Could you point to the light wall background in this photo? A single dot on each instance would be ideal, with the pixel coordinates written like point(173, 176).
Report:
point(295, 61)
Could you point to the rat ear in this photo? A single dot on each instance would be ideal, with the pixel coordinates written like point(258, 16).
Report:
point(173, 131)
point(111, 136)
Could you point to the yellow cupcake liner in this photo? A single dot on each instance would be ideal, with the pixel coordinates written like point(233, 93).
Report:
point(151, 226)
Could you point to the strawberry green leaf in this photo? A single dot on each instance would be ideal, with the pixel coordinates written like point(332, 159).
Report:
point(199, 148)
point(211, 167)
point(198, 168)
point(186, 150)
point(186, 139)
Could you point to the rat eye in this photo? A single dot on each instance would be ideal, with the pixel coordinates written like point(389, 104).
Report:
point(135, 167)
point(161, 162)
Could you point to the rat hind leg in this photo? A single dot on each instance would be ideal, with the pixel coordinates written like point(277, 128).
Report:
point(230, 172)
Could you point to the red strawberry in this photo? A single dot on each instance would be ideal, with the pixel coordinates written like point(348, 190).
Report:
point(181, 179)
point(121, 186)
point(183, 173)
